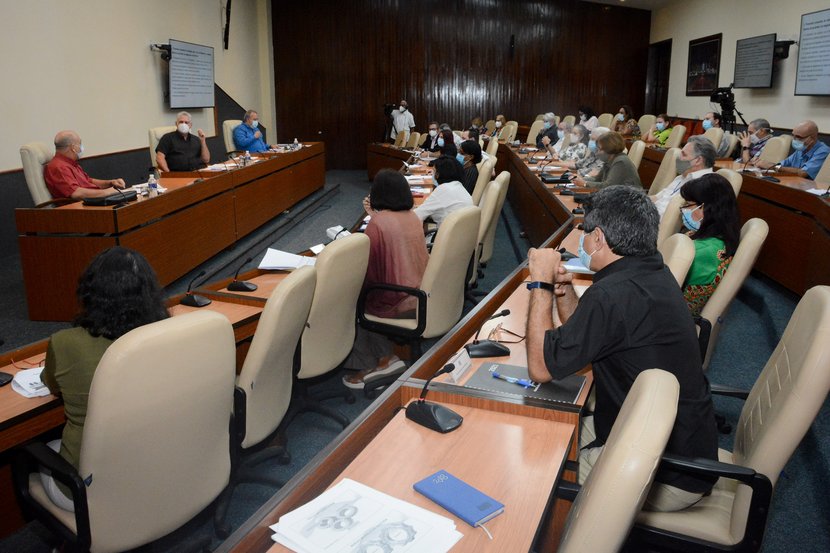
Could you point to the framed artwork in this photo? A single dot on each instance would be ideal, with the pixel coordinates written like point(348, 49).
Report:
point(704, 65)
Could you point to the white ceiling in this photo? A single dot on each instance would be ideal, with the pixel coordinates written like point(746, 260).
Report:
point(640, 4)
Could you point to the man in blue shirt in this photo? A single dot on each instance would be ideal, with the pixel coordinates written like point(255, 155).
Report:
point(247, 137)
point(809, 154)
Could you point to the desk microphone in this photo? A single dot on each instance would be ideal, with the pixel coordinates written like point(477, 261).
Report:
point(192, 300)
point(432, 415)
point(826, 192)
point(201, 177)
point(242, 285)
point(488, 348)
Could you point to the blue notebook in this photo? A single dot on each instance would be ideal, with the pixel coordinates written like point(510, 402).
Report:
point(459, 498)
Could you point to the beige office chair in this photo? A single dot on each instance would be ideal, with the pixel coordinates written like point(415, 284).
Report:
point(733, 143)
point(330, 333)
point(635, 153)
point(570, 119)
point(734, 178)
point(441, 294)
point(666, 172)
point(823, 176)
point(678, 251)
point(155, 449)
point(492, 147)
point(490, 125)
point(777, 413)
point(35, 156)
point(672, 220)
point(228, 125)
point(533, 134)
point(514, 123)
point(155, 135)
point(645, 122)
point(675, 139)
point(788, 140)
point(401, 138)
point(715, 135)
point(422, 139)
point(775, 150)
point(605, 120)
point(485, 174)
point(414, 140)
point(617, 486)
point(263, 387)
point(753, 234)
point(509, 134)
point(490, 238)
point(489, 219)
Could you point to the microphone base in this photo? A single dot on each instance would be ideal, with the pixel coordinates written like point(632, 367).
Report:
point(487, 348)
point(433, 416)
point(241, 286)
point(192, 300)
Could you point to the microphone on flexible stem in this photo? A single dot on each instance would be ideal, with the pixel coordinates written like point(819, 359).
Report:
point(193, 300)
point(826, 192)
point(488, 348)
point(432, 415)
point(201, 178)
point(242, 285)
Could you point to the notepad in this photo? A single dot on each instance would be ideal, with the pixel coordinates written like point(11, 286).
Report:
point(280, 260)
point(461, 499)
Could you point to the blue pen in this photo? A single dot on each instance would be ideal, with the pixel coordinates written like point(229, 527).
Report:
point(525, 383)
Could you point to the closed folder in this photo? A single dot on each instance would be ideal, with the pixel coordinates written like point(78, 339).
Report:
point(459, 498)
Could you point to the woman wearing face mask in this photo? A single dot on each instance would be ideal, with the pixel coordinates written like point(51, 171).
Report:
point(469, 157)
point(624, 122)
point(577, 151)
point(500, 123)
point(591, 166)
point(616, 168)
point(659, 132)
point(587, 118)
point(710, 216)
point(549, 130)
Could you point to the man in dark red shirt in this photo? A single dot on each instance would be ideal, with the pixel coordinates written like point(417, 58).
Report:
point(64, 176)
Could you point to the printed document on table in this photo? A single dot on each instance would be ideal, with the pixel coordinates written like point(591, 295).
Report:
point(280, 260)
point(27, 383)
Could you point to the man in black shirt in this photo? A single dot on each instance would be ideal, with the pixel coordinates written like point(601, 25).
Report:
point(181, 151)
point(631, 319)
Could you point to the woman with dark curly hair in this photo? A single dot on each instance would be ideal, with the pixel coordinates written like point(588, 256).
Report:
point(117, 292)
point(711, 218)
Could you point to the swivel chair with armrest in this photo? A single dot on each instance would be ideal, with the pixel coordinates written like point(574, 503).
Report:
point(228, 126)
point(154, 136)
point(35, 156)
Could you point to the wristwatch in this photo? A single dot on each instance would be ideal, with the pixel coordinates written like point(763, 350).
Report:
point(538, 284)
point(745, 148)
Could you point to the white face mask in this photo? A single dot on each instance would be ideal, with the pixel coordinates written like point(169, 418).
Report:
point(582, 117)
point(433, 133)
point(254, 123)
point(183, 128)
point(80, 150)
point(403, 109)
point(620, 117)
point(498, 124)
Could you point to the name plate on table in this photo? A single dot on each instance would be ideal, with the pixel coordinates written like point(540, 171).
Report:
point(564, 391)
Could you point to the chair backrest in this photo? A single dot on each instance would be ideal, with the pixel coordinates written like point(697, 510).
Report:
point(645, 122)
point(678, 251)
point(509, 134)
point(155, 135)
point(753, 234)
point(492, 147)
point(228, 125)
point(414, 140)
point(734, 178)
point(671, 221)
point(635, 153)
point(675, 139)
point(617, 486)
point(514, 123)
point(489, 218)
point(35, 156)
point(266, 375)
point(485, 173)
point(715, 135)
point(490, 125)
point(490, 238)
point(423, 138)
point(666, 172)
point(329, 336)
point(775, 149)
point(569, 119)
point(733, 142)
point(156, 436)
point(401, 138)
point(540, 117)
point(446, 272)
point(786, 397)
point(788, 140)
point(605, 120)
point(534, 131)
point(823, 175)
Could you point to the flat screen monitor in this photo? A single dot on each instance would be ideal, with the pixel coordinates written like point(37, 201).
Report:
point(813, 75)
point(753, 62)
point(191, 75)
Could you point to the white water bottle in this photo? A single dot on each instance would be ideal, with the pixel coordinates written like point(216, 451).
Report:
point(152, 186)
point(296, 144)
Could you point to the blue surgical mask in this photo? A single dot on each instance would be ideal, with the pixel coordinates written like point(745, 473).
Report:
point(688, 221)
point(620, 117)
point(441, 142)
point(592, 145)
point(560, 134)
point(660, 127)
point(798, 145)
point(584, 256)
point(460, 158)
point(546, 124)
point(707, 124)
point(255, 123)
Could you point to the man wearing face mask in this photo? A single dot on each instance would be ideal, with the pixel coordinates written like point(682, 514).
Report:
point(402, 120)
point(549, 130)
point(554, 148)
point(431, 142)
point(64, 176)
point(631, 319)
point(696, 159)
point(809, 154)
point(754, 139)
point(181, 151)
point(469, 155)
point(247, 136)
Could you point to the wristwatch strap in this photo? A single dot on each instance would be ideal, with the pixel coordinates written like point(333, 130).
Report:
point(538, 284)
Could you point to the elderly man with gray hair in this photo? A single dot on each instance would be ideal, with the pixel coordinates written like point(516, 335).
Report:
point(180, 150)
point(696, 159)
point(64, 176)
point(753, 140)
point(548, 130)
point(247, 136)
point(554, 146)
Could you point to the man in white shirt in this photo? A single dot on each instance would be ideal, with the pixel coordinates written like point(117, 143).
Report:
point(696, 159)
point(449, 194)
point(402, 120)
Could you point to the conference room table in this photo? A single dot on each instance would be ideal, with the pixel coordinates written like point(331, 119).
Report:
point(201, 214)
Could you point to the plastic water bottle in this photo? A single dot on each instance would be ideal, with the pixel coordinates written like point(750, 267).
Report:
point(247, 158)
point(296, 144)
point(152, 186)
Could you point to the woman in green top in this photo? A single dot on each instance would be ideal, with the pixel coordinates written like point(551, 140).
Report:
point(659, 132)
point(711, 216)
point(117, 293)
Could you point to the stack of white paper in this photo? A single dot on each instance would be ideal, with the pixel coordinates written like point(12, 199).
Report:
point(280, 260)
point(27, 383)
point(353, 517)
point(420, 190)
point(217, 167)
point(817, 191)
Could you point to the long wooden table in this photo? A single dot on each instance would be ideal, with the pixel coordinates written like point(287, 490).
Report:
point(384, 156)
point(201, 214)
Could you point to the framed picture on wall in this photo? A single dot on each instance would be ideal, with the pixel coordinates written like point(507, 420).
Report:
point(704, 65)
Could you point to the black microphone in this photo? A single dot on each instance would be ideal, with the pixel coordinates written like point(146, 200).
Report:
point(826, 192)
point(432, 415)
point(192, 300)
point(242, 285)
point(488, 348)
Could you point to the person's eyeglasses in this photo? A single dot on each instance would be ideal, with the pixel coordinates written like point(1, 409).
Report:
point(797, 137)
point(496, 335)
